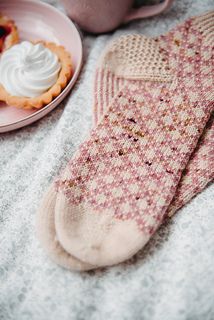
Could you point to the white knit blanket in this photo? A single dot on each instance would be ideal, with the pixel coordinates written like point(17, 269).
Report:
point(171, 279)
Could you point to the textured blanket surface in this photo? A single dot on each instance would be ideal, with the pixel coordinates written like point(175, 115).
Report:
point(171, 279)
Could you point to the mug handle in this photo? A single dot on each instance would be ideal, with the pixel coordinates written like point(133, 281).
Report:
point(147, 11)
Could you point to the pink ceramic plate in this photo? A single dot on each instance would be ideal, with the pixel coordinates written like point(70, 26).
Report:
point(36, 20)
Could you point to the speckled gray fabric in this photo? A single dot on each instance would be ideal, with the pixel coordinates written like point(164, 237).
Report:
point(171, 279)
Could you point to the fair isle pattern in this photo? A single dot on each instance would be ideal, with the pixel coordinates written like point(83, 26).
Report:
point(133, 161)
point(199, 171)
point(200, 168)
point(130, 172)
point(190, 56)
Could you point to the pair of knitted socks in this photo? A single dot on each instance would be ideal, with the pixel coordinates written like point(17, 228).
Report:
point(150, 152)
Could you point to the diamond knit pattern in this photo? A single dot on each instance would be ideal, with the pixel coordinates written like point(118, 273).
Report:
point(133, 161)
point(199, 170)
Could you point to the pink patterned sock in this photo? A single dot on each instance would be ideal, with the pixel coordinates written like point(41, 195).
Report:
point(199, 170)
point(117, 189)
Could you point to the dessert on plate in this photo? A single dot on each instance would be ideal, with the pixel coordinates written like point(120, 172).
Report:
point(32, 74)
point(8, 33)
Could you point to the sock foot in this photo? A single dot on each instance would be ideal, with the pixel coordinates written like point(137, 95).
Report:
point(46, 233)
point(96, 237)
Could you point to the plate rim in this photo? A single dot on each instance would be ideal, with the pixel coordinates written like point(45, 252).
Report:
point(69, 85)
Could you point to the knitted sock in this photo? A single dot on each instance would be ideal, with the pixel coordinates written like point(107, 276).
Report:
point(46, 214)
point(45, 219)
point(123, 178)
point(199, 170)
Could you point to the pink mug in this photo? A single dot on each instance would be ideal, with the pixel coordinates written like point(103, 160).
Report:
point(99, 16)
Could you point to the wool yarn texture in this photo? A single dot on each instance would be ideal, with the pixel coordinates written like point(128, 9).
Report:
point(150, 152)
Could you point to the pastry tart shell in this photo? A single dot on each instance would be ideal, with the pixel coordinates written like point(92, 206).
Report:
point(64, 76)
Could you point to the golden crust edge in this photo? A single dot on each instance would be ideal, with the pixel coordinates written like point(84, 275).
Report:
point(48, 96)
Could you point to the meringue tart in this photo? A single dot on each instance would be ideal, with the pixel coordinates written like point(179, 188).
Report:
point(33, 74)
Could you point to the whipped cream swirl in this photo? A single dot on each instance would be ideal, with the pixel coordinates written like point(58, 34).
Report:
point(28, 70)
